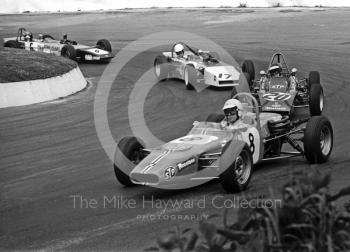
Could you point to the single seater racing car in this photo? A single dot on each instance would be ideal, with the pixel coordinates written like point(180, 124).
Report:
point(195, 67)
point(279, 89)
point(102, 51)
point(214, 150)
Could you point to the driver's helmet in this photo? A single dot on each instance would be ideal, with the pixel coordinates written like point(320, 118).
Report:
point(275, 70)
point(179, 50)
point(232, 110)
point(28, 35)
point(41, 37)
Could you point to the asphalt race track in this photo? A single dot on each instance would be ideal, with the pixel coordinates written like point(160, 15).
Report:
point(50, 153)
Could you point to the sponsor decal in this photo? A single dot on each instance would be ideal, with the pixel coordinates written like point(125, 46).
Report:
point(169, 172)
point(88, 57)
point(277, 86)
point(276, 96)
point(276, 108)
point(185, 164)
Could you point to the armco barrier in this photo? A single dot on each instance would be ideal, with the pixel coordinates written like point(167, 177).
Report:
point(35, 91)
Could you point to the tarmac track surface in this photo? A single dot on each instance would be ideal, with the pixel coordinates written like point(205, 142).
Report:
point(50, 152)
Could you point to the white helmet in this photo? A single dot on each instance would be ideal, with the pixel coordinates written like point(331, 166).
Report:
point(231, 103)
point(178, 48)
point(232, 110)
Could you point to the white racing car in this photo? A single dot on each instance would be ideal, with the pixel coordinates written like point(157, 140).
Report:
point(102, 51)
point(195, 67)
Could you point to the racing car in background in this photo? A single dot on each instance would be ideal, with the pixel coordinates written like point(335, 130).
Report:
point(279, 89)
point(195, 67)
point(102, 51)
point(213, 151)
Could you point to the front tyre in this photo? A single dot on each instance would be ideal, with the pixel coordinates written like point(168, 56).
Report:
point(316, 99)
point(188, 77)
point(69, 52)
point(314, 77)
point(160, 68)
point(104, 44)
point(132, 150)
point(248, 67)
point(318, 140)
point(236, 178)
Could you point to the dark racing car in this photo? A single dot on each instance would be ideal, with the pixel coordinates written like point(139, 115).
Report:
point(280, 90)
point(102, 51)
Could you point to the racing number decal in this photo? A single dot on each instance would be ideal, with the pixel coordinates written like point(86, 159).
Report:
point(169, 173)
point(252, 145)
point(252, 138)
point(276, 96)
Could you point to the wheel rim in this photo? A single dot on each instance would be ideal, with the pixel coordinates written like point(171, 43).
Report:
point(157, 68)
point(186, 76)
point(242, 168)
point(321, 101)
point(136, 157)
point(325, 140)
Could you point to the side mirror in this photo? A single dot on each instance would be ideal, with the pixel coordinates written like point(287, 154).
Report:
point(262, 73)
point(294, 71)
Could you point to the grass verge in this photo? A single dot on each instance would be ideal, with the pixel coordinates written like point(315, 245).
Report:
point(20, 65)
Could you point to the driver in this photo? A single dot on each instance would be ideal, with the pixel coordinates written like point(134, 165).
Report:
point(64, 39)
point(275, 70)
point(28, 36)
point(179, 51)
point(233, 111)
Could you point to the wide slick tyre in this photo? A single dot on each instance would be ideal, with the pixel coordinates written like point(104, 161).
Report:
point(189, 76)
point(248, 67)
point(131, 148)
point(160, 68)
point(12, 44)
point(314, 77)
point(318, 140)
point(236, 178)
point(316, 99)
point(104, 44)
point(69, 52)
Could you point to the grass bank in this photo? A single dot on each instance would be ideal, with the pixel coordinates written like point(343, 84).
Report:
point(20, 65)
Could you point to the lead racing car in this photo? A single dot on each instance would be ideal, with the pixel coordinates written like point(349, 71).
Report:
point(279, 89)
point(195, 67)
point(102, 51)
point(215, 149)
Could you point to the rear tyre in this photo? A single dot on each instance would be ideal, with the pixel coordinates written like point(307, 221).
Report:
point(160, 68)
point(12, 44)
point(248, 67)
point(318, 140)
point(69, 52)
point(314, 77)
point(316, 99)
point(189, 77)
point(131, 148)
point(104, 44)
point(215, 118)
point(236, 178)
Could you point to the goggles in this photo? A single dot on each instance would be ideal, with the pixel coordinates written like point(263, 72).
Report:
point(230, 111)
